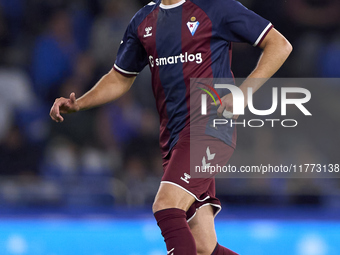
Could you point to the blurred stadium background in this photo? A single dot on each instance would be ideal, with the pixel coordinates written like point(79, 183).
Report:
point(86, 186)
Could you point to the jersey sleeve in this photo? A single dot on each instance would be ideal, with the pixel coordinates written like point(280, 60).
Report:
point(239, 24)
point(131, 57)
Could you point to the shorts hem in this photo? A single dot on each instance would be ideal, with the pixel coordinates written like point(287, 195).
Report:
point(219, 208)
point(192, 194)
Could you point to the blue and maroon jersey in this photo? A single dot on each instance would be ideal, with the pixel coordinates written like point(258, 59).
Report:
point(190, 39)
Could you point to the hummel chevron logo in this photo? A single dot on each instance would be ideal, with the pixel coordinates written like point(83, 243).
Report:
point(186, 178)
point(147, 31)
point(204, 163)
point(171, 251)
point(210, 157)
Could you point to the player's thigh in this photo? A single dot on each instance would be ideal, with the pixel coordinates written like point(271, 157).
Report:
point(203, 229)
point(172, 196)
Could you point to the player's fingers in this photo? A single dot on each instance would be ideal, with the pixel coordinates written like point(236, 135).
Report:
point(60, 118)
point(56, 116)
point(217, 103)
point(228, 106)
point(220, 111)
point(73, 97)
point(55, 110)
point(52, 115)
point(235, 117)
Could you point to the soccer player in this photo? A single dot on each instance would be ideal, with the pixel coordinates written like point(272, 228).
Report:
point(179, 40)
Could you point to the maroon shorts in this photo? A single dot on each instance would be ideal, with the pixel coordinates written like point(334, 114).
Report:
point(181, 168)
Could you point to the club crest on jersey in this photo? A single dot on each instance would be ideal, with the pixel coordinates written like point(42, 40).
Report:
point(193, 25)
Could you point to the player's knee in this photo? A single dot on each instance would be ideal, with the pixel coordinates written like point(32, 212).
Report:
point(170, 196)
point(157, 206)
point(166, 202)
point(161, 204)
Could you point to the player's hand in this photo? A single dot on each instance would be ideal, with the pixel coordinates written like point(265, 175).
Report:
point(226, 109)
point(63, 105)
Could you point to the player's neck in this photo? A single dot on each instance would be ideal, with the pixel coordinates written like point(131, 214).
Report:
point(170, 2)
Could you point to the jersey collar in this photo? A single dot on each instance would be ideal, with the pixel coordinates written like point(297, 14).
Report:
point(171, 6)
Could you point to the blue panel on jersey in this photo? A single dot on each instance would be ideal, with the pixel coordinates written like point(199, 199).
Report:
point(220, 59)
point(168, 43)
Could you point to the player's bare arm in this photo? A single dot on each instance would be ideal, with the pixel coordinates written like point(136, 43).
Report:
point(109, 88)
point(276, 50)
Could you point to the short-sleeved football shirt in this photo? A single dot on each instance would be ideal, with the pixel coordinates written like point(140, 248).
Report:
point(190, 39)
